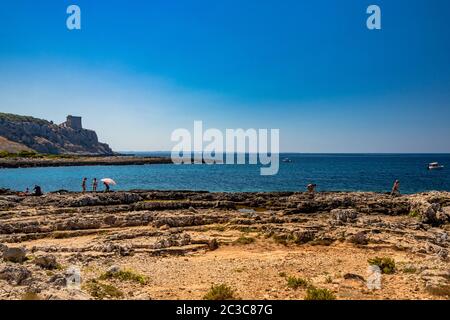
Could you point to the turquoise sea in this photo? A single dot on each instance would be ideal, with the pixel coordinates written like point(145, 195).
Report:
point(331, 172)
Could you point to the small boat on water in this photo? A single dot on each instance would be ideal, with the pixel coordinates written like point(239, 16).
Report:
point(286, 160)
point(434, 166)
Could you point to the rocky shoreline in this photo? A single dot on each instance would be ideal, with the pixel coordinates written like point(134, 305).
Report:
point(175, 244)
point(80, 161)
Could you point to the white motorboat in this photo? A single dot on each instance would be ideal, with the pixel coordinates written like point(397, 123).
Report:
point(434, 166)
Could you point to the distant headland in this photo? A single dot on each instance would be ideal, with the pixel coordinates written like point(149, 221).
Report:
point(25, 133)
point(26, 141)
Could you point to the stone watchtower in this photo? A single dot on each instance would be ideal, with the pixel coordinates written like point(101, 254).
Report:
point(73, 122)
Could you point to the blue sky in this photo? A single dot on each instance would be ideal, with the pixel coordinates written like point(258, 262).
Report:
point(140, 69)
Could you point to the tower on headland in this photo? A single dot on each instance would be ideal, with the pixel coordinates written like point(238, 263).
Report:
point(73, 123)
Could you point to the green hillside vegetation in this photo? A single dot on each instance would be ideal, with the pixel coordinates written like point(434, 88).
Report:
point(18, 118)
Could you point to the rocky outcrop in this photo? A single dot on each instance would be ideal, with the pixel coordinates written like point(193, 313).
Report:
point(344, 215)
point(46, 261)
point(46, 137)
point(432, 210)
point(12, 147)
point(437, 282)
point(14, 274)
point(14, 254)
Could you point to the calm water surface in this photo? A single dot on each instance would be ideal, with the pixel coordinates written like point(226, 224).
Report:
point(343, 172)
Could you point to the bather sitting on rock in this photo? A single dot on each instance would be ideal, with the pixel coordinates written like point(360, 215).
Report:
point(25, 193)
point(37, 191)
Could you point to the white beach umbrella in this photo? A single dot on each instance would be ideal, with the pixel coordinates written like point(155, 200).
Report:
point(109, 181)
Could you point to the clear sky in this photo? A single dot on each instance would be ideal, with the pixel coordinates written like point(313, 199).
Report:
point(140, 69)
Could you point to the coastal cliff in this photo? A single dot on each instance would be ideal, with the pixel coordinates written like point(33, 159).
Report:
point(24, 133)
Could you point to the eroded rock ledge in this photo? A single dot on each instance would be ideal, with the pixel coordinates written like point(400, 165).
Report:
point(75, 160)
point(89, 228)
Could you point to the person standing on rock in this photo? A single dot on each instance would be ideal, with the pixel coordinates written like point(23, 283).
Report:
point(83, 185)
point(396, 188)
point(106, 187)
point(94, 185)
point(311, 189)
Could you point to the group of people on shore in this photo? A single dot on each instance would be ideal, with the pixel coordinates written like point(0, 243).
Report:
point(311, 188)
point(37, 191)
point(94, 185)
